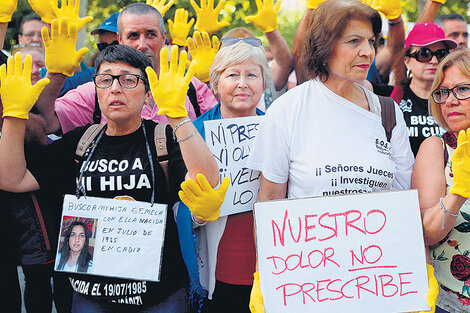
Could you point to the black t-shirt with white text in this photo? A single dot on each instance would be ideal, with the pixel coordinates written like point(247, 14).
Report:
point(119, 166)
point(419, 123)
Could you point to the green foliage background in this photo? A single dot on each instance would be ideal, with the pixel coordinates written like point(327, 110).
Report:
point(234, 12)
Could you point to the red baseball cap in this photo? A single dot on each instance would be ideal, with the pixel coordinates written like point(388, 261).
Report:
point(425, 34)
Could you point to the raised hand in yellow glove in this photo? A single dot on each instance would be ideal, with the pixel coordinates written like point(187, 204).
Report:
point(69, 9)
point(256, 298)
point(202, 199)
point(17, 93)
point(203, 52)
point(390, 8)
point(207, 16)
point(313, 4)
point(433, 291)
point(179, 30)
point(44, 8)
point(266, 19)
point(160, 5)
point(461, 165)
point(6, 10)
point(169, 92)
point(61, 56)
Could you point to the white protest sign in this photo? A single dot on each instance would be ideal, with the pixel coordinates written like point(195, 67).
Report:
point(229, 141)
point(129, 235)
point(356, 253)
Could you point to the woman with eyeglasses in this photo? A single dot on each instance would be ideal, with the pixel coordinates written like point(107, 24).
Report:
point(415, 70)
point(122, 87)
point(238, 76)
point(442, 176)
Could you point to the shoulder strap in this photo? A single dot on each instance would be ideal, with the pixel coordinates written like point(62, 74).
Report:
point(97, 112)
point(397, 94)
point(193, 98)
point(162, 151)
point(87, 138)
point(388, 115)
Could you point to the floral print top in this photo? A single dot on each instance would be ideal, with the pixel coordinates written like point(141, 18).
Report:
point(451, 256)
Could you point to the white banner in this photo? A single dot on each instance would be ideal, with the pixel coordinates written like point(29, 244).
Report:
point(125, 238)
point(229, 141)
point(358, 253)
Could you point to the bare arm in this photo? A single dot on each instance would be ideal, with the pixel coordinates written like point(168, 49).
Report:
point(14, 176)
point(395, 43)
point(46, 101)
point(429, 12)
point(298, 43)
point(271, 191)
point(428, 177)
point(196, 155)
point(282, 64)
point(3, 31)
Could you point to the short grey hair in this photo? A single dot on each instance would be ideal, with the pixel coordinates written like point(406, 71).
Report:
point(140, 8)
point(235, 54)
point(449, 17)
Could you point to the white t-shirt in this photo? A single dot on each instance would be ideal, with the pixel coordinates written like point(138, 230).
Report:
point(323, 144)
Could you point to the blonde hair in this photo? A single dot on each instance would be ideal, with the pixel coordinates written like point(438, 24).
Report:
point(459, 58)
point(236, 54)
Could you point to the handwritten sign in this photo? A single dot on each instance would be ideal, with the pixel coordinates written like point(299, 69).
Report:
point(129, 235)
point(229, 141)
point(358, 253)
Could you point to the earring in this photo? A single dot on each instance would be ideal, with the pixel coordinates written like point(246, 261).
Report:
point(409, 74)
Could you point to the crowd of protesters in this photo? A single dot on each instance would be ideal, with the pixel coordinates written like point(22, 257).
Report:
point(340, 89)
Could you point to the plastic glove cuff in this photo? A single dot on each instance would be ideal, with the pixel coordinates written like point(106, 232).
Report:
point(179, 42)
point(23, 116)
point(270, 29)
point(457, 190)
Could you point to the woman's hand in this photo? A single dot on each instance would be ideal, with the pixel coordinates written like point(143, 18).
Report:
point(61, 56)
point(203, 52)
point(17, 94)
point(461, 165)
point(169, 91)
point(256, 298)
point(202, 199)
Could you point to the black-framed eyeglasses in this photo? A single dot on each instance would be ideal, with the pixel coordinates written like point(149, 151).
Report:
point(228, 41)
point(426, 54)
point(128, 81)
point(103, 45)
point(460, 92)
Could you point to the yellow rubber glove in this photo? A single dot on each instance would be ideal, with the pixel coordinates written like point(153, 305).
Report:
point(313, 4)
point(202, 199)
point(440, 1)
point(179, 30)
point(160, 5)
point(266, 19)
point(461, 165)
point(203, 52)
point(6, 10)
point(207, 16)
point(44, 9)
point(69, 9)
point(433, 291)
point(17, 93)
point(61, 56)
point(390, 8)
point(169, 92)
point(256, 298)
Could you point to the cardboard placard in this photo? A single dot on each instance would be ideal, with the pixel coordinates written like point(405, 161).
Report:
point(229, 141)
point(125, 237)
point(356, 253)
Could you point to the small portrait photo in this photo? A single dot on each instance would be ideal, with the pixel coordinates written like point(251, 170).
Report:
point(77, 243)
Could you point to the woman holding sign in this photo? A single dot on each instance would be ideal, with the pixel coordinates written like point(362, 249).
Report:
point(327, 136)
point(122, 161)
point(239, 75)
point(74, 255)
point(442, 177)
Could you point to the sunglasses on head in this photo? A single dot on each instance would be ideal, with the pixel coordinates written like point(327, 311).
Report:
point(426, 54)
point(103, 45)
point(228, 41)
